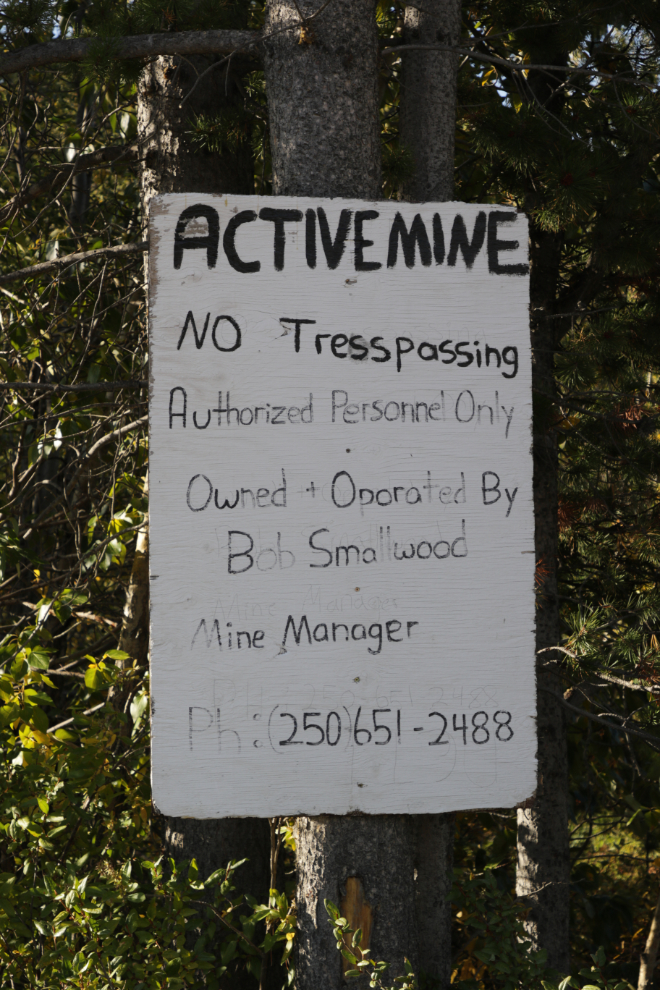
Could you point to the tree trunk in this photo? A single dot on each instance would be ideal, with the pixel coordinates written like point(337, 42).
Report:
point(427, 116)
point(649, 956)
point(543, 850)
point(322, 84)
point(427, 104)
point(434, 861)
point(81, 184)
point(337, 858)
point(134, 635)
point(173, 162)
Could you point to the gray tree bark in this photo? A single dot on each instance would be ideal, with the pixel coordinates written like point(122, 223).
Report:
point(433, 837)
point(171, 162)
point(543, 874)
point(323, 98)
point(427, 103)
point(321, 79)
point(334, 852)
point(427, 120)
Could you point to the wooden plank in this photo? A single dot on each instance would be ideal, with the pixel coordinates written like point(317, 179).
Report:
point(342, 554)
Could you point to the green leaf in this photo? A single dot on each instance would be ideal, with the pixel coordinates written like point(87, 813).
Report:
point(38, 718)
point(332, 909)
point(8, 714)
point(94, 678)
point(38, 658)
point(19, 667)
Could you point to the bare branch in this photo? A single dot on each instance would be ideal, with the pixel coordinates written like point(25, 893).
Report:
point(136, 46)
point(104, 440)
point(68, 721)
point(57, 387)
point(72, 259)
point(648, 688)
point(519, 66)
point(653, 741)
point(114, 155)
point(211, 68)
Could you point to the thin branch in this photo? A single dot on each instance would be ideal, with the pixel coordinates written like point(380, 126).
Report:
point(58, 387)
point(600, 720)
point(101, 619)
point(68, 721)
point(224, 921)
point(317, 12)
point(114, 435)
point(113, 155)
point(648, 688)
point(34, 271)
point(221, 42)
point(561, 649)
point(517, 66)
point(211, 68)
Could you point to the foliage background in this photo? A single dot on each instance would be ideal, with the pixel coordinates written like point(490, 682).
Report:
point(85, 897)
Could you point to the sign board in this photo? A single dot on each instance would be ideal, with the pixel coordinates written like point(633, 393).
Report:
point(341, 525)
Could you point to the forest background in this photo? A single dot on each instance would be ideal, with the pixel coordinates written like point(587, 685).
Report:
point(89, 897)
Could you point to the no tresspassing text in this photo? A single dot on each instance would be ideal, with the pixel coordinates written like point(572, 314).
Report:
point(357, 347)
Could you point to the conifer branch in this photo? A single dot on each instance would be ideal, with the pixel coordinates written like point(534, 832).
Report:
point(220, 42)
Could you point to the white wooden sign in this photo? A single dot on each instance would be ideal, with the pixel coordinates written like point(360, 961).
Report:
point(342, 557)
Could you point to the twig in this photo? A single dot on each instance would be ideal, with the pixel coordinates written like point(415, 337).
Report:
point(319, 11)
point(115, 434)
point(562, 649)
point(215, 65)
point(230, 927)
point(600, 720)
point(68, 721)
point(650, 689)
point(101, 619)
